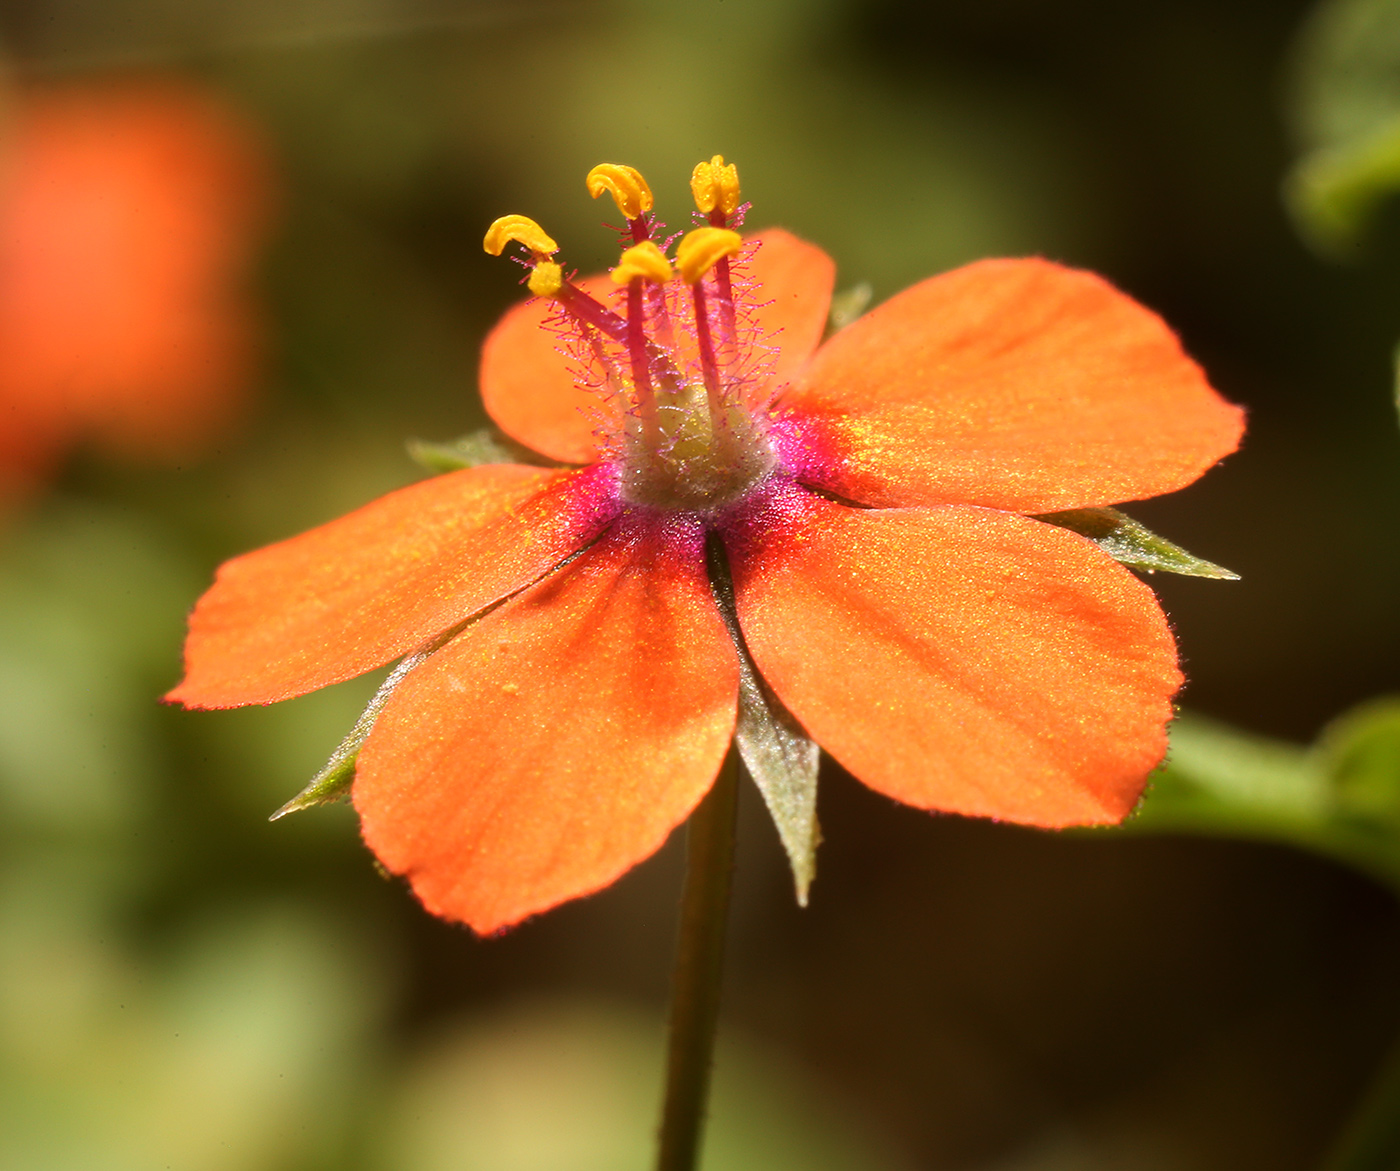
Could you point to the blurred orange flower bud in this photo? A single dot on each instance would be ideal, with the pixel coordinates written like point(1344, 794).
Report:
point(129, 218)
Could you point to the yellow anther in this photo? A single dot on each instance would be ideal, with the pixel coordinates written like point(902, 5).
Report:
point(625, 184)
point(643, 260)
point(715, 185)
point(702, 249)
point(546, 279)
point(521, 229)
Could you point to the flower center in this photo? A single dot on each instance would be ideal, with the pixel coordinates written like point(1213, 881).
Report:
point(683, 357)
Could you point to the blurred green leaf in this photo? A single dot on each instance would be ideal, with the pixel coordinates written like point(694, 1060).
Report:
point(1136, 546)
point(91, 609)
point(1333, 193)
point(1346, 113)
point(1339, 798)
point(238, 1052)
point(1360, 752)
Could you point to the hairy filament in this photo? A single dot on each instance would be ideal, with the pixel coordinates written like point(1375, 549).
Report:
point(641, 364)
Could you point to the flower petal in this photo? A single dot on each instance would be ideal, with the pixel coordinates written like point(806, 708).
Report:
point(793, 282)
point(557, 741)
point(528, 383)
point(529, 387)
point(349, 596)
point(1013, 384)
point(960, 659)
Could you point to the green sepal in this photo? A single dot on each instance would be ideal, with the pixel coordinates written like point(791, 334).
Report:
point(1137, 547)
point(487, 446)
point(782, 759)
point(330, 784)
point(848, 305)
point(335, 778)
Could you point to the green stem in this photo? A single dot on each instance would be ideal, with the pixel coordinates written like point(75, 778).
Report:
point(1371, 1140)
point(695, 987)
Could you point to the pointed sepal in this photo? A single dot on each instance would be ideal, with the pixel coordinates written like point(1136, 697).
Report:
point(334, 780)
point(329, 785)
point(848, 305)
point(782, 759)
point(487, 446)
point(1136, 546)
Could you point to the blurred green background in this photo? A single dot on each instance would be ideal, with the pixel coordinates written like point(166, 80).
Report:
point(184, 985)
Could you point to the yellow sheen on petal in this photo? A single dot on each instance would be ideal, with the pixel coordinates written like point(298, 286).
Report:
point(625, 184)
point(521, 229)
point(643, 260)
point(546, 279)
point(702, 249)
point(715, 185)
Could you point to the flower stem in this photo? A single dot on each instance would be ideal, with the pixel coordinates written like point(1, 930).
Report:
point(695, 988)
point(1371, 1140)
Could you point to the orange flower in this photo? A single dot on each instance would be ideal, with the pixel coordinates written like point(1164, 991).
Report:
point(842, 537)
point(127, 216)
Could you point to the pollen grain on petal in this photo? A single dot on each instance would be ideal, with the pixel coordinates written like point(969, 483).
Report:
point(643, 260)
point(715, 185)
point(521, 229)
point(625, 184)
point(702, 249)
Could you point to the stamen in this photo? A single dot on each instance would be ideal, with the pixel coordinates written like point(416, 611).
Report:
point(709, 368)
point(639, 264)
point(696, 254)
point(588, 311)
point(629, 191)
point(546, 279)
point(715, 186)
point(643, 261)
point(521, 229)
point(702, 249)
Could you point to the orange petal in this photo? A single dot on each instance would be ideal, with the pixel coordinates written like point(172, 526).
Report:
point(1014, 384)
point(960, 659)
point(349, 596)
point(128, 218)
point(557, 741)
point(529, 387)
point(794, 280)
